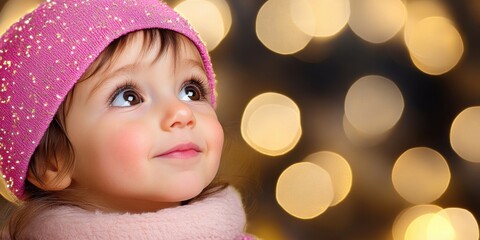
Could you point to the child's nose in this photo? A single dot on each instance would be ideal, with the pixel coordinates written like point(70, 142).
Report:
point(178, 115)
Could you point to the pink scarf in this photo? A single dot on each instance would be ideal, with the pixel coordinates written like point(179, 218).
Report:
point(220, 216)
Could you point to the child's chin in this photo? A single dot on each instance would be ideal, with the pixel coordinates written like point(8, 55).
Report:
point(188, 189)
point(180, 195)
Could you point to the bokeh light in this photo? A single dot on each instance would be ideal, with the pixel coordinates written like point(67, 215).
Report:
point(14, 10)
point(304, 190)
point(320, 18)
point(421, 175)
point(276, 30)
point(360, 138)
point(463, 223)
point(271, 124)
point(407, 216)
point(430, 226)
point(208, 22)
point(465, 134)
point(421, 9)
point(377, 21)
point(224, 9)
point(339, 170)
point(439, 228)
point(435, 45)
point(373, 105)
point(432, 222)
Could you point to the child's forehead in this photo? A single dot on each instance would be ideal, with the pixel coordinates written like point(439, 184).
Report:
point(138, 48)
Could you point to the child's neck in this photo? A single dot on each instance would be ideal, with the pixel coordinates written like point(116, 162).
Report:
point(110, 204)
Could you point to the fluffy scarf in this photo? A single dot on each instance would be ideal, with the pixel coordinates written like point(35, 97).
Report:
point(219, 216)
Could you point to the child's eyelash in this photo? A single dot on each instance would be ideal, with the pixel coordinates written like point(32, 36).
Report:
point(201, 83)
point(121, 87)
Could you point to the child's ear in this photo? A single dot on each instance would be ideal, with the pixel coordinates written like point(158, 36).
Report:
point(54, 177)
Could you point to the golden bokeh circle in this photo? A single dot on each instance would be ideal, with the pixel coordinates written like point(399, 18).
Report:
point(403, 220)
point(430, 226)
point(421, 175)
point(208, 22)
point(435, 45)
point(463, 222)
point(339, 170)
point(377, 21)
point(276, 30)
point(271, 124)
point(373, 105)
point(304, 190)
point(320, 18)
point(465, 134)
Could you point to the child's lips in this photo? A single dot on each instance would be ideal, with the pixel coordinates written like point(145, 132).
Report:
point(181, 151)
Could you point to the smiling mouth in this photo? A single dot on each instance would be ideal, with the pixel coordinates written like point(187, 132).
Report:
point(182, 151)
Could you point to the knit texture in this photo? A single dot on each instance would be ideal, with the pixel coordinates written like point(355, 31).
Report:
point(220, 216)
point(44, 54)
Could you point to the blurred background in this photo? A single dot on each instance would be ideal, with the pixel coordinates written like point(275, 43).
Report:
point(345, 119)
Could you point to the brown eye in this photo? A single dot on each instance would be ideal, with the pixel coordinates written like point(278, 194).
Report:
point(191, 92)
point(126, 98)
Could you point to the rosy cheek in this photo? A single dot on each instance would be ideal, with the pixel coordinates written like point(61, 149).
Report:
point(128, 145)
point(216, 137)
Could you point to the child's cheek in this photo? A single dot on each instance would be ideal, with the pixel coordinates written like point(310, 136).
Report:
point(129, 146)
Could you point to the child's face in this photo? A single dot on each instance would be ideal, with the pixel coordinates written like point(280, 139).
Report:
point(144, 133)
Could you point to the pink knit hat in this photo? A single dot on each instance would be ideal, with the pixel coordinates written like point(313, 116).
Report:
point(44, 54)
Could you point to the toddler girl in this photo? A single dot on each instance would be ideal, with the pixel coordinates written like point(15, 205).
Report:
point(108, 128)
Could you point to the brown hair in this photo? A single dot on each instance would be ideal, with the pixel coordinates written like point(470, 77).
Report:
point(55, 145)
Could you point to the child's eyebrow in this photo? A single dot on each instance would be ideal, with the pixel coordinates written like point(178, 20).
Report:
point(111, 75)
point(195, 63)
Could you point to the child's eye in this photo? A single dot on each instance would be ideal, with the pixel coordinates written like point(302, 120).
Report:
point(192, 91)
point(126, 98)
